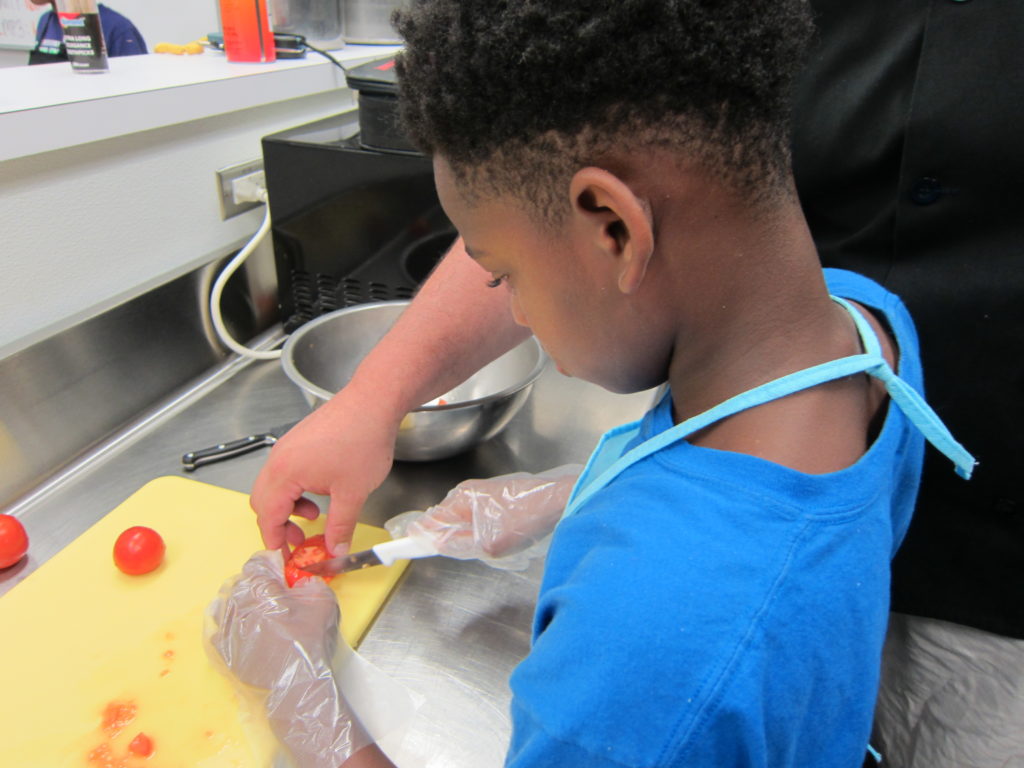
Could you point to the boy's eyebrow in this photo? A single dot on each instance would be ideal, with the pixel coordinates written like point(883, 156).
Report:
point(473, 252)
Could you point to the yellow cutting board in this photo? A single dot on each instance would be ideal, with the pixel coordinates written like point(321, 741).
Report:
point(78, 635)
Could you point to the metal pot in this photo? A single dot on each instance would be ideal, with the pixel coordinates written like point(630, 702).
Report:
point(321, 356)
point(368, 22)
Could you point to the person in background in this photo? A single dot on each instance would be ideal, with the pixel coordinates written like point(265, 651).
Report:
point(906, 157)
point(717, 590)
point(906, 161)
point(119, 34)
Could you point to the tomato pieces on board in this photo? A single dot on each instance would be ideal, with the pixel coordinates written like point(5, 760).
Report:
point(116, 715)
point(13, 540)
point(312, 550)
point(141, 745)
point(138, 550)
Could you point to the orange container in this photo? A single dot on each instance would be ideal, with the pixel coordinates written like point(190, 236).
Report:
point(247, 32)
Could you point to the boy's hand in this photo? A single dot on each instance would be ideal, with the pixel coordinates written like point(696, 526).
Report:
point(282, 640)
point(497, 520)
point(264, 628)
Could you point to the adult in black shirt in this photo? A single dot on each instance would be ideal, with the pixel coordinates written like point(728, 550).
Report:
point(908, 162)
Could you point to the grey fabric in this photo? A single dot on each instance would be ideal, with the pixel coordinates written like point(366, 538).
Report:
point(951, 697)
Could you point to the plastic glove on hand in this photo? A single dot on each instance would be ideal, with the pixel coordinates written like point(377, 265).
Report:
point(503, 521)
point(283, 639)
point(264, 627)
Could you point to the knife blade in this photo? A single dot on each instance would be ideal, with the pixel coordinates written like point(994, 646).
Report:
point(192, 460)
point(385, 553)
point(354, 562)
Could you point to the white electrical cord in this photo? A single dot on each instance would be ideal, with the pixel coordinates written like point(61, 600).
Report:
point(221, 281)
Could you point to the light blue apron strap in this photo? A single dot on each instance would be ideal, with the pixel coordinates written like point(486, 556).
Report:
point(925, 419)
point(772, 390)
point(868, 337)
point(914, 407)
point(612, 444)
point(906, 398)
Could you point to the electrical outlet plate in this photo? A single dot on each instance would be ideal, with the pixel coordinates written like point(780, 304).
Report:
point(226, 175)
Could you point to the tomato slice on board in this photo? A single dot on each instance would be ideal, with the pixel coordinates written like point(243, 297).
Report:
point(312, 550)
point(141, 745)
point(116, 715)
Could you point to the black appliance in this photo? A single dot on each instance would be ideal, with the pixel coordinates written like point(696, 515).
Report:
point(354, 211)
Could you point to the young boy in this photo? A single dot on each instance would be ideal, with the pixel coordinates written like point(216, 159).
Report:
point(720, 596)
point(717, 591)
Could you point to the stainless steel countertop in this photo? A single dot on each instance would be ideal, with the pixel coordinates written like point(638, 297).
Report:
point(453, 630)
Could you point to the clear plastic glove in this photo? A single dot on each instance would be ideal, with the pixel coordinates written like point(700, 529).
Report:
point(504, 521)
point(283, 641)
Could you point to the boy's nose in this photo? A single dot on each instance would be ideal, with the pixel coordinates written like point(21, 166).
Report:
point(517, 311)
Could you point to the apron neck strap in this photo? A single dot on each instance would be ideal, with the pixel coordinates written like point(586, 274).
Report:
point(870, 361)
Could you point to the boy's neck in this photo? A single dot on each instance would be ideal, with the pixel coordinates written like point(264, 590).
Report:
point(755, 305)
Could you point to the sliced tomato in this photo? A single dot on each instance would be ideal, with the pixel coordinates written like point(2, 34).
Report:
point(116, 715)
point(312, 550)
point(141, 745)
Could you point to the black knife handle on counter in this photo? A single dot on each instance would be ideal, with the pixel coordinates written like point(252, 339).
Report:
point(195, 459)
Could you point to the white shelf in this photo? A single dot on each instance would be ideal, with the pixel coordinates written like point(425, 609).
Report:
point(49, 106)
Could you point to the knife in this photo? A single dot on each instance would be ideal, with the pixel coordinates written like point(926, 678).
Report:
point(385, 553)
point(195, 459)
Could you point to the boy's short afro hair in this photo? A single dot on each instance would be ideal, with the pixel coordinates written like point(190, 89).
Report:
point(519, 94)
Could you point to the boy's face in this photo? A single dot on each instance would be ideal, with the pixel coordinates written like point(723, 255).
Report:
point(564, 297)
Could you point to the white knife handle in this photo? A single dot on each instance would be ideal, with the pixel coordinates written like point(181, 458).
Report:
point(406, 548)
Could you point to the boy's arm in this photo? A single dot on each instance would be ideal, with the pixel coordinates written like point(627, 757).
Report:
point(453, 327)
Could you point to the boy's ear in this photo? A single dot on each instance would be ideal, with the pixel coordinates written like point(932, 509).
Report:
point(615, 221)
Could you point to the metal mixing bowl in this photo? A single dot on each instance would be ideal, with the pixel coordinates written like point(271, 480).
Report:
point(321, 356)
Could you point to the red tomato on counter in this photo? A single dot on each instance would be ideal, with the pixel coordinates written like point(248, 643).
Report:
point(312, 550)
point(138, 550)
point(13, 540)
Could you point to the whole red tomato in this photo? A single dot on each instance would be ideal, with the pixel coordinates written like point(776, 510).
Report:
point(312, 550)
point(138, 550)
point(13, 540)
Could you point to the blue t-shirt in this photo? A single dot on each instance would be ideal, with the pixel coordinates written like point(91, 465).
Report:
point(119, 34)
point(713, 609)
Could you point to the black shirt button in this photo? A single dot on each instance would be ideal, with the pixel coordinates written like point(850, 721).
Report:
point(926, 191)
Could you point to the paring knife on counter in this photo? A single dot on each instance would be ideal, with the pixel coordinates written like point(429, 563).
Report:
point(195, 459)
point(385, 553)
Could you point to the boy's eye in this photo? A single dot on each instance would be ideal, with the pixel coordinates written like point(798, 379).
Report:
point(495, 282)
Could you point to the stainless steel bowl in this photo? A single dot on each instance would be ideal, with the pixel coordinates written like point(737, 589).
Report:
point(321, 356)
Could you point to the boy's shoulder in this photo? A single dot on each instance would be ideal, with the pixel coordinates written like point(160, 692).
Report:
point(665, 601)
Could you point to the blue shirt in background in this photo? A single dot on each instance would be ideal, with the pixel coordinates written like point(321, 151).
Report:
point(119, 34)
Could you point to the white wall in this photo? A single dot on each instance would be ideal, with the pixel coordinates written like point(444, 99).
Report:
point(180, 21)
point(12, 58)
point(87, 226)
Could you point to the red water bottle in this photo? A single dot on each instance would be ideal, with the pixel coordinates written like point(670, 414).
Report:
point(247, 32)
